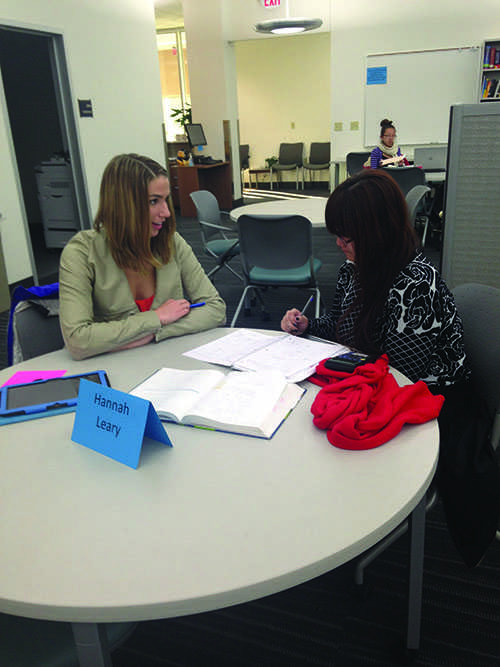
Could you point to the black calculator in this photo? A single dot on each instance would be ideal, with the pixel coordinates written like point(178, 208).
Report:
point(348, 361)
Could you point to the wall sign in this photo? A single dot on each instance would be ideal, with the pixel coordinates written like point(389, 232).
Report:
point(270, 4)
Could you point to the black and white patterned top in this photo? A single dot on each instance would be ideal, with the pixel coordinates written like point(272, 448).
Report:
point(420, 329)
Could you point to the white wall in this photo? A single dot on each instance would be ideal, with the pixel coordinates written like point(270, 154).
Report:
point(112, 59)
point(364, 27)
point(286, 79)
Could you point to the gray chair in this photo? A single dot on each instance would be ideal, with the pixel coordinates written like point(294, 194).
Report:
point(319, 159)
point(354, 161)
point(415, 199)
point(216, 242)
point(406, 177)
point(27, 642)
point(277, 252)
point(290, 158)
point(33, 327)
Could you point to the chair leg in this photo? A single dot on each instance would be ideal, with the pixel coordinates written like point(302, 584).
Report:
point(271, 178)
point(240, 304)
point(318, 302)
point(424, 235)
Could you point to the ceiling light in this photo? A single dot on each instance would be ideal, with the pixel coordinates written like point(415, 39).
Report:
point(287, 26)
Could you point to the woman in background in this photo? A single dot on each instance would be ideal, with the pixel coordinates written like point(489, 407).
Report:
point(390, 299)
point(388, 151)
point(132, 279)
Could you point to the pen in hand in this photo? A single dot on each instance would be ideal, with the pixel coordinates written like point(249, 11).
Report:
point(303, 311)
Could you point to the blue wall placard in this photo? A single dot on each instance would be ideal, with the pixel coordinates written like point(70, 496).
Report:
point(376, 76)
point(114, 423)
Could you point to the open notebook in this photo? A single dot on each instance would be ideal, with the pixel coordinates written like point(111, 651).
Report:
point(295, 358)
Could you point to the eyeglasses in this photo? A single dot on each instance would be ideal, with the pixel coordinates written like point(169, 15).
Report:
point(389, 136)
point(344, 241)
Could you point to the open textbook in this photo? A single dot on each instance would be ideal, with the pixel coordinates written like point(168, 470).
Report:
point(246, 403)
point(295, 358)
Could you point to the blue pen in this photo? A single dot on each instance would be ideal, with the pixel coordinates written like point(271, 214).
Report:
point(197, 305)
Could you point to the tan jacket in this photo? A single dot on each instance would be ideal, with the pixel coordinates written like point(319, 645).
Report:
point(98, 312)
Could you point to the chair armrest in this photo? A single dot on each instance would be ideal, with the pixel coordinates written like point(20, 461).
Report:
point(214, 226)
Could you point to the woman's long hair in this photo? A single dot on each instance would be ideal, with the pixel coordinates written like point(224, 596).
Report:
point(370, 209)
point(124, 213)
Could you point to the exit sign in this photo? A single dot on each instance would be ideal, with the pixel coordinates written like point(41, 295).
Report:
point(270, 3)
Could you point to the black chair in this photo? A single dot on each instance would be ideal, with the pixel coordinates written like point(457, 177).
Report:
point(277, 252)
point(216, 243)
point(479, 308)
point(319, 158)
point(355, 161)
point(244, 159)
point(290, 157)
point(406, 177)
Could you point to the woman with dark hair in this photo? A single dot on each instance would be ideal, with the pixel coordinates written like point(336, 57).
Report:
point(390, 299)
point(387, 152)
point(132, 278)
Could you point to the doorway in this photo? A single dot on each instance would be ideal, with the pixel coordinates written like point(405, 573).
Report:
point(43, 130)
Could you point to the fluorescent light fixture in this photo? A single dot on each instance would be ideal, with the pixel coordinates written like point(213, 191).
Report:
point(288, 26)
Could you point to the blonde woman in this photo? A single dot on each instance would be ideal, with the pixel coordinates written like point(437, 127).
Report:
point(132, 279)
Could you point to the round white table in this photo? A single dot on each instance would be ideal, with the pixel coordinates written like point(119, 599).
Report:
point(216, 520)
point(312, 208)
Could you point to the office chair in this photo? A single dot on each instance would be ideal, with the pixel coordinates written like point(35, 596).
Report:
point(290, 157)
point(27, 642)
point(33, 327)
point(415, 200)
point(354, 162)
point(277, 252)
point(479, 308)
point(244, 159)
point(216, 243)
point(319, 158)
point(406, 177)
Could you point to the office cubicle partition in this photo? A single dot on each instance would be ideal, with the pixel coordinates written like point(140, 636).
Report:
point(471, 239)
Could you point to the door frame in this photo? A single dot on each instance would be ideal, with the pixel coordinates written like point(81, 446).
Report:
point(68, 124)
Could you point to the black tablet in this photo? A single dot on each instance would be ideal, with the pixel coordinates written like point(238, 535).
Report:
point(43, 395)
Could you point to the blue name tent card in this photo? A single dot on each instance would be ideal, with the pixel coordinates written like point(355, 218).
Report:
point(114, 423)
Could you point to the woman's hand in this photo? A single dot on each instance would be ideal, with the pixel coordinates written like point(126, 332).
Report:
point(294, 323)
point(172, 310)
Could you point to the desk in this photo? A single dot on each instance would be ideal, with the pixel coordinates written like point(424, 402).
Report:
point(216, 178)
point(215, 521)
point(312, 208)
point(256, 172)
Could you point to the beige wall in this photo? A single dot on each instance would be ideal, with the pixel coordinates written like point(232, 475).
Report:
point(283, 92)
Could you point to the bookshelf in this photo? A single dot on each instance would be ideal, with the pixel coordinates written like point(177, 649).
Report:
point(490, 74)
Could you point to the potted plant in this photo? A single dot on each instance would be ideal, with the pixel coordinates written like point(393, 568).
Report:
point(270, 161)
point(182, 116)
